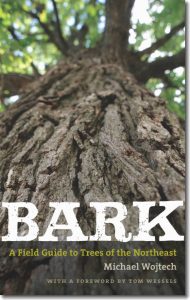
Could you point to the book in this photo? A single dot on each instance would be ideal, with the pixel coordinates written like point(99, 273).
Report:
point(92, 168)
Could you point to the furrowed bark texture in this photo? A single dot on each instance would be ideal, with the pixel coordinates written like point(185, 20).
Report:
point(86, 131)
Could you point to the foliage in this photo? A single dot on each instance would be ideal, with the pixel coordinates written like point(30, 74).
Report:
point(2, 107)
point(24, 44)
point(165, 14)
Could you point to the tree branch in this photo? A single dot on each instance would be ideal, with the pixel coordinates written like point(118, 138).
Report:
point(157, 68)
point(60, 43)
point(35, 70)
point(117, 28)
point(160, 42)
point(14, 82)
point(58, 24)
point(13, 33)
point(16, 38)
point(129, 13)
point(78, 35)
point(168, 82)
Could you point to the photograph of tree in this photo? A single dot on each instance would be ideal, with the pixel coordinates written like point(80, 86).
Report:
point(92, 155)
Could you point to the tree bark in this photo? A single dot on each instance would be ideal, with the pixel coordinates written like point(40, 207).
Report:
point(118, 16)
point(86, 131)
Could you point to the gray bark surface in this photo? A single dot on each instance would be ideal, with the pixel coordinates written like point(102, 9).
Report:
point(87, 131)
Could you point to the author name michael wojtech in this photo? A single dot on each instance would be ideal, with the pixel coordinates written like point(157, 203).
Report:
point(140, 266)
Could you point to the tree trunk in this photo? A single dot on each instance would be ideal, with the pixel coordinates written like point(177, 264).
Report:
point(86, 131)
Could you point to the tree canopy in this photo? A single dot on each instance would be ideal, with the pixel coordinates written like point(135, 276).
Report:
point(36, 34)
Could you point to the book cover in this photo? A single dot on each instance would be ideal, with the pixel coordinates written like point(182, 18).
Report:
point(92, 157)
